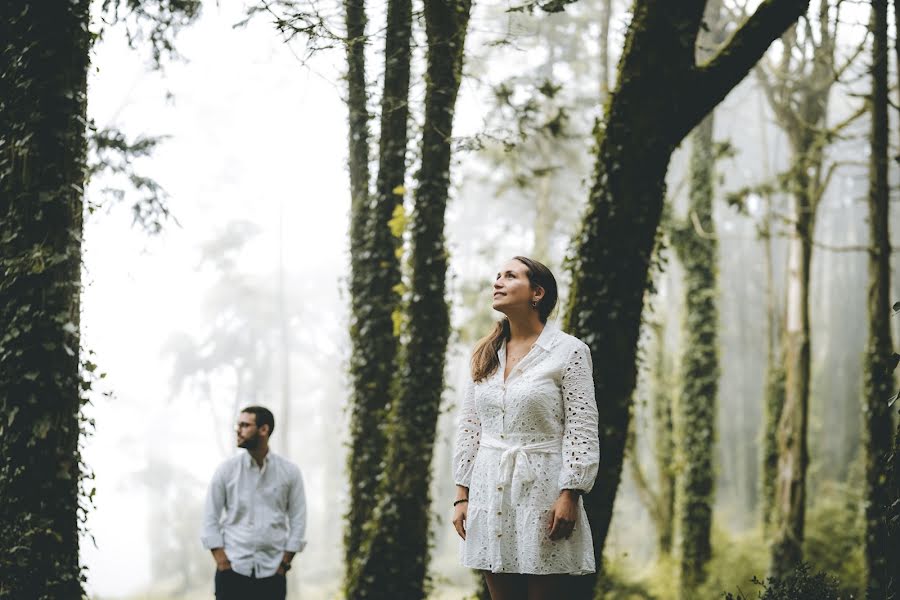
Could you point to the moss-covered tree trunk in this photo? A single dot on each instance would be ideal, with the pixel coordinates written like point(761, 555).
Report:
point(396, 548)
point(696, 418)
point(878, 379)
point(773, 390)
point(611, 253)
point(375, 266)
point(43, 82)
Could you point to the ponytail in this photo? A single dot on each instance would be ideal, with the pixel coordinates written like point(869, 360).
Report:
point(485, 361)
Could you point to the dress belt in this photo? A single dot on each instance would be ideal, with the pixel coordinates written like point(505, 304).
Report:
point(517, 454)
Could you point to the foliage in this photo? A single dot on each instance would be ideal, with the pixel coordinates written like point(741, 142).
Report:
point(151, 23)
point(799, 584)
point(111, 154)
point(834, 534)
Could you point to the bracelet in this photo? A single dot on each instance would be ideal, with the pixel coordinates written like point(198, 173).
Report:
point(460, 501)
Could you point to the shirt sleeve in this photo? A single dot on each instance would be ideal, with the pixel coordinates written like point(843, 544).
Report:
point(296, 541)
point(212, 512)
point(468, 438)
point(581, 437)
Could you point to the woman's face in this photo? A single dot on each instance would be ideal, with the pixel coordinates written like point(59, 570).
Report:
point(512, 289)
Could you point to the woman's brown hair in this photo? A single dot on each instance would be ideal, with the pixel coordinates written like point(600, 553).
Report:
point(484, 359)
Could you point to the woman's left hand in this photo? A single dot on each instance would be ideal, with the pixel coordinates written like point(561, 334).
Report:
point(563, 516)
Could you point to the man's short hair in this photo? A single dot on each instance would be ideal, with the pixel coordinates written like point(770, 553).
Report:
point(263, 416)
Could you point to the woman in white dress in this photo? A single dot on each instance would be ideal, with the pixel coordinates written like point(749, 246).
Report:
point(527, 446)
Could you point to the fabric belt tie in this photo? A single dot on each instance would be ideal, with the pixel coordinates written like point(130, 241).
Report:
point(517, 455)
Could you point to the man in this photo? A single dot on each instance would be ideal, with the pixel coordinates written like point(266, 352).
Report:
point(255, 515)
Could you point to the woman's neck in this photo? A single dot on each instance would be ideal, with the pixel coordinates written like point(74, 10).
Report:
point(525, 327)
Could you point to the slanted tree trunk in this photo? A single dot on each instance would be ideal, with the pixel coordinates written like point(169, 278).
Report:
point(396, 549)
point(878, 380)
point(43, 84)
point(375, 266)
point(611, 253)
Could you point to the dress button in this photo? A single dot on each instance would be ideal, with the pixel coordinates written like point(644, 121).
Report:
point(499, 512)
point(500, 487)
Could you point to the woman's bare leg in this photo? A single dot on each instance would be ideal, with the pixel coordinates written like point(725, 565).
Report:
point(548, 587)
point(505, 586)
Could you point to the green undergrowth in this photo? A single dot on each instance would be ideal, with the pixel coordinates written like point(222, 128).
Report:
point(833, 549)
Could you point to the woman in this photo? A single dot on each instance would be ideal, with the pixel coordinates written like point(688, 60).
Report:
point(527, 445)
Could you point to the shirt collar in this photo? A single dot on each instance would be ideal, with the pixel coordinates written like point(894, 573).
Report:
point(249, 462)
point(548, 336)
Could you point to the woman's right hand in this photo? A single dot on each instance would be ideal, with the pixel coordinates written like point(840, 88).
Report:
point(460, 510)
point(459, 518)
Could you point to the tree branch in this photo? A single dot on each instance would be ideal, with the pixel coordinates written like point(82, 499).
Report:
point(748, 44)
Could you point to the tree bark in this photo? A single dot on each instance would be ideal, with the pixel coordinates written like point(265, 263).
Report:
point(43, 84)
point(773, 394)
point(375, 266)
point(878, 378)
point(396, 551)
point(696, 419)
point(611, 254)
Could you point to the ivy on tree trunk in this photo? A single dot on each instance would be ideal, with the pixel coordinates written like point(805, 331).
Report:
point(394, 554)
point(375, 265)
point(43, 84)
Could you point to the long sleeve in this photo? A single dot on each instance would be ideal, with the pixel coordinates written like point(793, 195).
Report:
point(468, 438)
point(296, 541)
point(581, 441)
point(212, 512)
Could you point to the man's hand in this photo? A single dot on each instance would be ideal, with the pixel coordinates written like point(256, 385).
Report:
point(222, 562)
point(563, 515)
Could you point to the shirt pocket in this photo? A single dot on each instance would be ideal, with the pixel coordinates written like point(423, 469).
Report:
point(275, 496)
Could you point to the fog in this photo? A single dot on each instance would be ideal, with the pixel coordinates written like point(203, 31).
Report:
point(242, 297)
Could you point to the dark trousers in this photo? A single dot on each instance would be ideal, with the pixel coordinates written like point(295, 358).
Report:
point(234, 586)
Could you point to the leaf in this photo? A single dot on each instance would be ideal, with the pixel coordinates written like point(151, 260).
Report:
point(399, 190)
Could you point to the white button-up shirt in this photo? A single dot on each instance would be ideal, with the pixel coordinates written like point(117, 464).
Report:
point(255, 513)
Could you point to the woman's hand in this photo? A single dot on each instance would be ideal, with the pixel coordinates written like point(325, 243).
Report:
point(460, 510)
point(563, 515)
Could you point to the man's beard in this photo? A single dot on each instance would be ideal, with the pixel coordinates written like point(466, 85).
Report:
point(250, 443)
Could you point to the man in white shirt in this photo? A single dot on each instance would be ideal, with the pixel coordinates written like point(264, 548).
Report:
point(255, 515)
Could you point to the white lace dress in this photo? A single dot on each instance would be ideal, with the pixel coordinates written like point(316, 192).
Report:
point(518, 444)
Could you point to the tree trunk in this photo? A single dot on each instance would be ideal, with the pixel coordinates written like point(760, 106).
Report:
point(611, 254)
point(375, 265)
point(878, 379)
point(800, 103)
point(773, 394)
point(606, 7)
point(396, 551)
point(696, 420)
point(793, 455)
point(43, 84)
